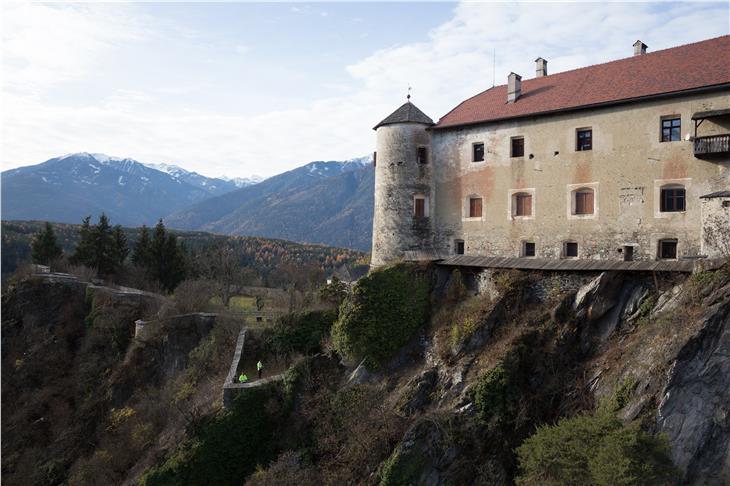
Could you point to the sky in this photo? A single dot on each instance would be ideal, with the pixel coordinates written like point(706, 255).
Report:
point(240, 89)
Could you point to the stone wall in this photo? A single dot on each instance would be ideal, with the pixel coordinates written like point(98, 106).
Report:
point(398, 179)
point(716, 227)
point(626, 167)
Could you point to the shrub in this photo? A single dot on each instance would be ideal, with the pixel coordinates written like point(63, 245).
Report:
point(385, 309)
point(494, 397)
point(227, 448)
point(594, 449)
point(193, 296)
point(300, 332)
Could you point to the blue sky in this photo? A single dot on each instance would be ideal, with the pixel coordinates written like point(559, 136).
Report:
point(239, 89)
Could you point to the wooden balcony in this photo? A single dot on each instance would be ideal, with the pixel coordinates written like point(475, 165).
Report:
point(713, 146)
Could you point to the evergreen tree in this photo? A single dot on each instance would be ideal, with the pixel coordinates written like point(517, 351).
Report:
point(45, 248)
point(142, 250)
point(83, 254)
point(167, 258)
point(121, 250)
point(104, 248)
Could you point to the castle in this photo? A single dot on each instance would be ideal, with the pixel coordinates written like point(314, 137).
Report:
point(627, 161)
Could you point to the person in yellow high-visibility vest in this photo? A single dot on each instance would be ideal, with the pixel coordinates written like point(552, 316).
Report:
point(243, 378)
point(259, 367)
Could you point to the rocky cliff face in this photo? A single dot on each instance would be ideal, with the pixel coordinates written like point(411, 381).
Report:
point(83, 400)
point(451, 407)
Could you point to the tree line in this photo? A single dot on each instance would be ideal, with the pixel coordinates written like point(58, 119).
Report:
point(105, 249)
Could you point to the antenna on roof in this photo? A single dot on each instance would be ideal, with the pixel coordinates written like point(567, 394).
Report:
point(494, 65)
point(408, 96)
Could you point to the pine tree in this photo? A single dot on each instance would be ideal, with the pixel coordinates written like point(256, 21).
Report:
point(167, 262)
point(142, 250)
point(104, 251)
point(121, 250)
point(84, 252)
point(45, 248)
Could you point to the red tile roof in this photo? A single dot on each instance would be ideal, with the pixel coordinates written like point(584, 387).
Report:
point(677, 69)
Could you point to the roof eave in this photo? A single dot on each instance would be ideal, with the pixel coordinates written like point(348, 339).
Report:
point(587, 107)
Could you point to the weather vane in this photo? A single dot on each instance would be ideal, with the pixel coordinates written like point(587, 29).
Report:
point(408, 96)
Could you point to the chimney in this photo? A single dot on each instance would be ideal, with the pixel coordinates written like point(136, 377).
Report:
point(639, 48)
point(540, 67)
point(514, 87)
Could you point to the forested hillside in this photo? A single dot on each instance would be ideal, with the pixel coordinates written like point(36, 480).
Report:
point(260, 254)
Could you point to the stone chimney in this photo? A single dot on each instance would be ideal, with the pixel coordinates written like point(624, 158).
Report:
point(639, 48)
point(540, 67)
point(514, 87)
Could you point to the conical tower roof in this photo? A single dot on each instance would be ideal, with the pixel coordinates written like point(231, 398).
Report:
point(407, 113)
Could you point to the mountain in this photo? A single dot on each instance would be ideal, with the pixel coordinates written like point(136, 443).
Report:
point(321, 202)
point(215, 186)
point(68, 188)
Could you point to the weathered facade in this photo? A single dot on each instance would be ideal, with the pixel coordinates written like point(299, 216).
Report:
point(519, 172)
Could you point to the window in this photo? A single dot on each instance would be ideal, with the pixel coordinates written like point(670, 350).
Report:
point(583, 201)
point(478, 152)
point(584, 139)
point(668, 249)
point(419, 207)
point(375, 159)
point(571, 249)
point(522, 204)
point(628, 253)
point(459, 247)
point(475, 207)
point(671, 129)
point(528, 249)
point(422, 155)
point(672, 199)
point(518, 147)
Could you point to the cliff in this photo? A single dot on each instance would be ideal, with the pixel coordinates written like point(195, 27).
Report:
point(450, 378)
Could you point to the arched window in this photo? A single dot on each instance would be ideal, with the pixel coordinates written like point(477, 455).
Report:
point(583, 201)
point(522, 204)
point(672, 198)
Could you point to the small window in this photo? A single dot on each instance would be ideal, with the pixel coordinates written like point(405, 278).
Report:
point(584, 139)
point(571, 249)
point(528, 249)
point(478, 152)
point(419, 207)
point(671, 129)
point(668, 249)
point(628, 253)
point(375, 159)
point(584, 201)
point(726, 204)
point(518, 147)
point(422, 155)
point(522, 204)
point(459, 247)
point(475, 207)
point(672, 199)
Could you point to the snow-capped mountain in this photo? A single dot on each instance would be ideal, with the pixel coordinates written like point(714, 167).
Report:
point(320, 202)
point(214, 185)
point(73, 186)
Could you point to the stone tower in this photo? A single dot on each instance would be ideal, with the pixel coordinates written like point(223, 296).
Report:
point(403, 188)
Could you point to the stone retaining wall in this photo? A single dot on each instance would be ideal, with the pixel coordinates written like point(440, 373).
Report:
point(231, 388)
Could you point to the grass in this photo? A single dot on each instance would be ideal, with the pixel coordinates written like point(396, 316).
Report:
point(237, 303)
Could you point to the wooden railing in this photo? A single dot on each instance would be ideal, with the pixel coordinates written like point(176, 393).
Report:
point(713, 145)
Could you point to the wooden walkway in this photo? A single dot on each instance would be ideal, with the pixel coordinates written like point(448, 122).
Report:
point(564, 265)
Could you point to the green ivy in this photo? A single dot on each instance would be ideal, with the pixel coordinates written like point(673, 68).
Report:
point(384, 310)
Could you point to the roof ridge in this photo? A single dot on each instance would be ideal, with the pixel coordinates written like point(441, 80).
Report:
point(626, 78)
point(644, 56)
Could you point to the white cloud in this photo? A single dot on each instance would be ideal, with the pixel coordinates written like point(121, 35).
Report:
point(454, 62)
